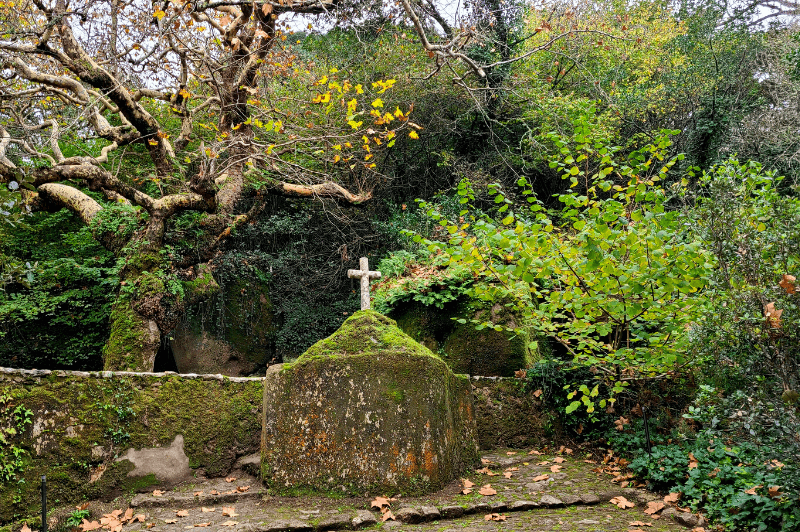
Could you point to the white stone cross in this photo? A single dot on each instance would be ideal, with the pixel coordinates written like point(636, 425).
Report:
point(365, 275)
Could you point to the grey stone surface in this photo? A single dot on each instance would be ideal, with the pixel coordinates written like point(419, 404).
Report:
point(551, 502)
point(519, 506)
point(250, 464)
point(588, 522)
point(498, 507)
point(430, 513)
point(290, 525)
point(363, 519)
point(408, 515)
point(569, 500)
point(590, 498)
point(478, 508)
point(536, 486)
point(335, 522)
point(452, 512)
point(170, 464)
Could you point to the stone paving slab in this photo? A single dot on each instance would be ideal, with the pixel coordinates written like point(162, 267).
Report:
point(573, 496)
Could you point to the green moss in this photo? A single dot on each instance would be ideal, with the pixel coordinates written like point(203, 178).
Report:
point(217, 420)
point(365, 332)
point(129, 344)
point(134, 484)
point(465, 349)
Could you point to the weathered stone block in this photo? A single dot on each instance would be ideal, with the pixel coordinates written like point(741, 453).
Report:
point(366, 410)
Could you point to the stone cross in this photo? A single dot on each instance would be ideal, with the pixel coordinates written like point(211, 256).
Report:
point(365, 275)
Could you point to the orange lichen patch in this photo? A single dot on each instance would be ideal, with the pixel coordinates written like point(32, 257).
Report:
point(430, 460)
point(412, 467)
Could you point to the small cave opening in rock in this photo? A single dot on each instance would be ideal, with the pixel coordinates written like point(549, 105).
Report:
point(165, 360)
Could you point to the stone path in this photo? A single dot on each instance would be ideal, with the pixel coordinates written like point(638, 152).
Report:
point(531, 494)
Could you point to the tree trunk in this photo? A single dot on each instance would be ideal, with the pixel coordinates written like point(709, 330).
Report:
point(134, 339)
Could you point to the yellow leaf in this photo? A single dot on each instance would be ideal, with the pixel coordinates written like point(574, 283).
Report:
point(336, 159)
point(152, 142)
point(377, 103)
point(338, 147)
point(322, 81)
point(359, 90)
point(348, 145)
point(354, 124)
point(368, 157)
point(413, 135)
point(159, 14)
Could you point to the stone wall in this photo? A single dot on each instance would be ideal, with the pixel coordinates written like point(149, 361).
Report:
point(84, 427)
point(83, 422)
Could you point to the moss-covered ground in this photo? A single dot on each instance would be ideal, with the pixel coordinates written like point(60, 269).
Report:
point(264, 511)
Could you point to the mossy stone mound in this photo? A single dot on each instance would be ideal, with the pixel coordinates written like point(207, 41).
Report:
point(366, 410)
point(466, 350)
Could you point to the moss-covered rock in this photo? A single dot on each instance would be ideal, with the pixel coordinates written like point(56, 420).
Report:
point(82, 421)
point(366, 410)
point(466, 350)
point(232, 333)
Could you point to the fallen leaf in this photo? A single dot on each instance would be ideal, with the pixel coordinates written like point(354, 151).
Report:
point(494, 517)
point(198, 493)
point(567, 451)
point(555, 468)
point(158, 493)
point(752, 491)
point(380, 502)
point(229, 511)
point(520, 373)
point(635, 530)
point(698, 529)
point(466, 483)
point(115, 513)
point(214, 492)
point(485, 461)
point(170, 521)
point(229, 523)
point(138, 517)
point(653, 507)
point(230, 479)
point(207, 510)
point(487, 490)
point(534, 451)
point(558, 460)
point(511, 453)
point(202, 525)
point(386, 516)
point(182, 513)
point(486, 471)
point(543, 462)
point(773, 315)
point(774, 491)
point(86, 525)
point(85, 505)
point(128, 515)
point(787, 283)
point(150, 525)
point(508, 474)
point(512, 469)
point(621, 422)
point(466, 491)
point(672, 497)
point(622, 502)
point(693, 463)
point(640, 523)
point(242, 489)
point(541, 477)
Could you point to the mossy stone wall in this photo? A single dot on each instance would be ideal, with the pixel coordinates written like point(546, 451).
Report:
point(466, 350)
point(82, 421)
point(366, 410)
